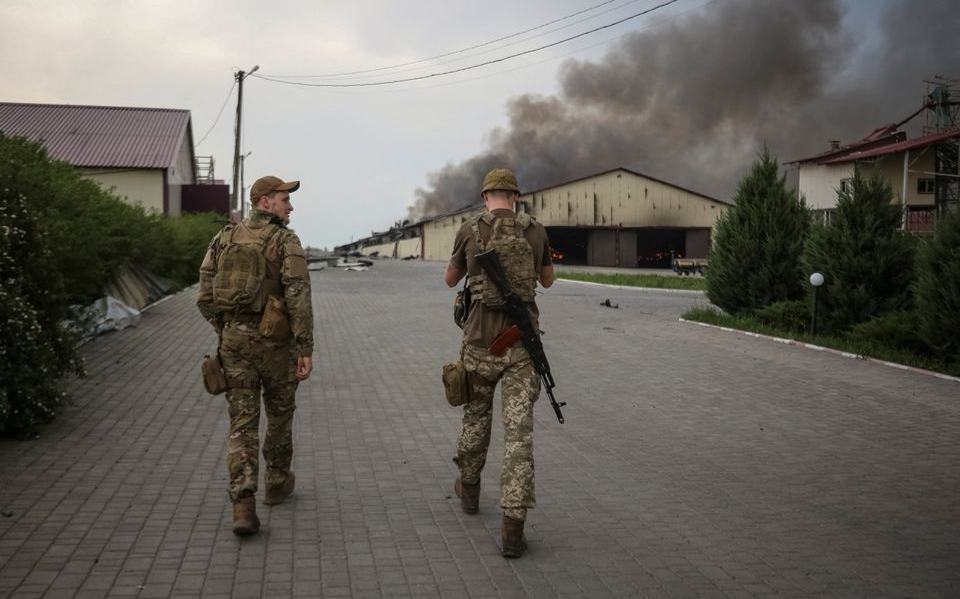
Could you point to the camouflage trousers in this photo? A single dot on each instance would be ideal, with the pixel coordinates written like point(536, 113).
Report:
point(250, 362)
point(520, 388)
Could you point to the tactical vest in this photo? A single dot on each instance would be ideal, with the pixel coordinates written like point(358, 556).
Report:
point(515, 255)
point(241, 285)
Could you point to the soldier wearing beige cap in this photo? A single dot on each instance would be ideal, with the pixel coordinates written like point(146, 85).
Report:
point(255, 292)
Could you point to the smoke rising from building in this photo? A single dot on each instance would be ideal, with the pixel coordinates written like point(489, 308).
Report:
point(694, 100)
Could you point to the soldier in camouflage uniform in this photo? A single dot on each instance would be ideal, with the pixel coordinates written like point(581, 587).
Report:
point(520, 384)
point(252, 361)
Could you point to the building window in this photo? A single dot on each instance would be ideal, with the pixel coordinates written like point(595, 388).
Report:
point(926, 186)
point(846, 185)
point(824, 217)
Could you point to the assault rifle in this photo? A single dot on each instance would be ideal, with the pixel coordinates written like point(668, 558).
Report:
point(517, 309)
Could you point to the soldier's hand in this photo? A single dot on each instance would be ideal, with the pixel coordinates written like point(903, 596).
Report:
point(304, 367)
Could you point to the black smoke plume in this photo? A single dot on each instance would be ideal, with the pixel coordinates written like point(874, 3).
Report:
point(694, 100)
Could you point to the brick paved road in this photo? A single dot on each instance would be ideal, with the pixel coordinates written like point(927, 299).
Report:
point(694, 463)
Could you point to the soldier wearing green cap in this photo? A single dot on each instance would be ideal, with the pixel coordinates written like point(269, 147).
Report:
point(255, 292)
point(524, 250)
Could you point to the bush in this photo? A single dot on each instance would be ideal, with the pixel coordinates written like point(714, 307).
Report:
point(897, 330)
point(866, 262)
point(792, 315)
point(35, 348)
point(937, 290)
point(62, 239)
point(755, 258)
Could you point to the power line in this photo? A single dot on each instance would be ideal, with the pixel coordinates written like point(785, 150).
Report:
point(468, 56)
point(216, 120)
point(475, 66)
point(446, 54)
point(533, 64)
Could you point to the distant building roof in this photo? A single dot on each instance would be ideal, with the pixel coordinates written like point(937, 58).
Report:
point(901, 146)
point(632, 172)
point(884, 140)
point(100, 136)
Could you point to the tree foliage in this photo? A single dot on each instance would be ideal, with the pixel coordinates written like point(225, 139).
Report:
point(62, 239)
point(937, 290)
point(866, 261)
point(755, 258)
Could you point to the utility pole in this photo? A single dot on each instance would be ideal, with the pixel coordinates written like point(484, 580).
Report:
point(237, 200)
point(243, 188)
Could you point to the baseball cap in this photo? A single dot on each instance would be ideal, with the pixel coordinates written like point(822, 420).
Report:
point(269, 184)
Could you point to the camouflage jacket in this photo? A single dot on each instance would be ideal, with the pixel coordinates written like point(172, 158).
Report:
point(286, 261)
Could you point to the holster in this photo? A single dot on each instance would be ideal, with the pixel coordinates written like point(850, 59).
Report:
point(275, 322)
point(214, 381)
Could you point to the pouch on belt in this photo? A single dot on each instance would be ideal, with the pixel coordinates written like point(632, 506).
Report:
point(214, 380)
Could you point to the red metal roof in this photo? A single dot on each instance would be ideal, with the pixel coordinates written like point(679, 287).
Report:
point(881, 136)
point(902, 146)
point(100, 136)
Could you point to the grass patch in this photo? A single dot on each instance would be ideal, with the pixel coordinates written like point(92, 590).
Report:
point(872, 349)
point(638, 280)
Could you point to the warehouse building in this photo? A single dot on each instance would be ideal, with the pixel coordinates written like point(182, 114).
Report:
point(615, 218)
point(143, 155)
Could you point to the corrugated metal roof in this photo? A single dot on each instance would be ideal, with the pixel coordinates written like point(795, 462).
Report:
point(100, 136)
point(632, 172)
point(903, 146)
point(882, 136)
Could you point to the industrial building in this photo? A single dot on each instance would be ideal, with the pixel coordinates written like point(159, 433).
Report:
point(143, 155)
point(924, 172)
point(615, 218)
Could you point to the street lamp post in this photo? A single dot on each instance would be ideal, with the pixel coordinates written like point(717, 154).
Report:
point(816, 279)
point(240, 76)
point(243, 199)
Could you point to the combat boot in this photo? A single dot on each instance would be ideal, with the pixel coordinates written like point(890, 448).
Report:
point(245, 521)
point(277, 493)
point(511, 537)
point(469, 496)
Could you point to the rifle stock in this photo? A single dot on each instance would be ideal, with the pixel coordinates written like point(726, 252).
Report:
point(516, 308)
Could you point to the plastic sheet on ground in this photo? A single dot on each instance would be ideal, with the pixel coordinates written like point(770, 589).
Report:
point(110, 314)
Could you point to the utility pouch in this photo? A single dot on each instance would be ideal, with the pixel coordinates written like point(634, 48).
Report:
point(275, 322)
point(455, 384)
point(461, 304)
point(214, 380)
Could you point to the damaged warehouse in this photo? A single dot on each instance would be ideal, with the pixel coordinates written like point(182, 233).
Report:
point(616, 218)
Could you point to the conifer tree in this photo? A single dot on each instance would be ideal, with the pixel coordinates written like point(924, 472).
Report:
point(755, 258)
point(938, 289)
point(867, 263)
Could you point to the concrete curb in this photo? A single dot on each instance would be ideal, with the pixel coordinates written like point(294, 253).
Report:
point(608, 286)
point(828, 350)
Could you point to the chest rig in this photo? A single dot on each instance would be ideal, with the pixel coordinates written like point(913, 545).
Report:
point(515, 255)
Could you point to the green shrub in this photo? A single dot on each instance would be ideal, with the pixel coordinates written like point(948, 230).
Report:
point(866, 262)
point(36, 350)
point(62, 239)
point(754, 260)
point(897, 330)
point(182, 241)
point(792, 315)
point(937, 290)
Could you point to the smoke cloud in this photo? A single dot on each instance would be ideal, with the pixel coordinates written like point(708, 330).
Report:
point(693, 101)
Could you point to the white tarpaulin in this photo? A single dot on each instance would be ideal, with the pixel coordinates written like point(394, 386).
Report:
point(110, 314)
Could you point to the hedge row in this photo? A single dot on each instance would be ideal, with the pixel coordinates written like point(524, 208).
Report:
point(61, 240)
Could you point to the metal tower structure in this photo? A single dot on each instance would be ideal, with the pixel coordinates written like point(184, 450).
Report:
point(942, 101)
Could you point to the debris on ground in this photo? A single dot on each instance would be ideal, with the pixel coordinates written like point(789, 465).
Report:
point(607, 303)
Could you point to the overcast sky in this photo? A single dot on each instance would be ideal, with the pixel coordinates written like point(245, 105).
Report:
point(361, 153)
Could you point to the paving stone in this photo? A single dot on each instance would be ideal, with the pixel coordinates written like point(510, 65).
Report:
point(694, 463)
